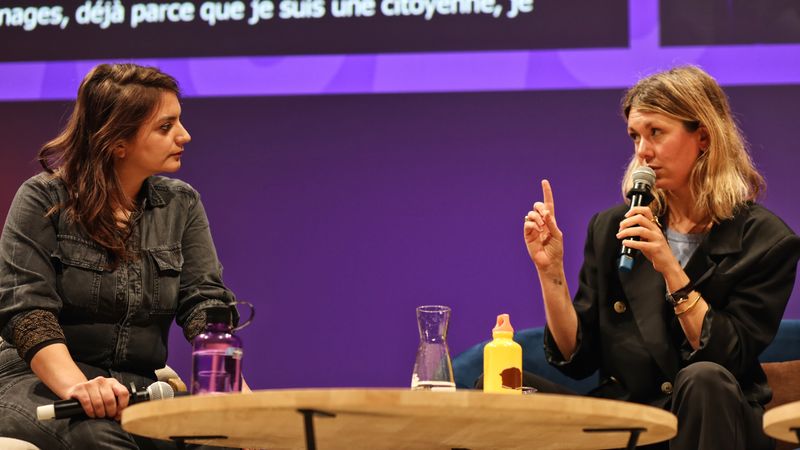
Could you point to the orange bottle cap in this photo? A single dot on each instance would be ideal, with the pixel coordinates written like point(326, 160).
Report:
point(503, 324)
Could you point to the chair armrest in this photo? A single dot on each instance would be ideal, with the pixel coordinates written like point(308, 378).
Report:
point(169, 376)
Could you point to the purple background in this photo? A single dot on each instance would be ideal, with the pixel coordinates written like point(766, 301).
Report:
point(338, 214)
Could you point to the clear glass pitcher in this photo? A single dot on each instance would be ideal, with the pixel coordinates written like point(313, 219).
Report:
point(433, 370)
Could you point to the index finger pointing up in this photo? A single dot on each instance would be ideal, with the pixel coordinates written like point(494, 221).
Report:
point(548, 196)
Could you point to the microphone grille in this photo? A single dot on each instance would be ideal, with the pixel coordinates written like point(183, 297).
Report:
point(644, 175)
point(160, 391)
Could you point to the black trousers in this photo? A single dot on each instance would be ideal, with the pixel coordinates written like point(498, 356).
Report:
point(21, 392)
point(712, 411)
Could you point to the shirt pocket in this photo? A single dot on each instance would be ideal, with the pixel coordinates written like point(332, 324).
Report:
point(168, 263)
point(79, 271)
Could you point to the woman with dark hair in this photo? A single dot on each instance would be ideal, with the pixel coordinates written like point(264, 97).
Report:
point(97, 257)
point(683, 329)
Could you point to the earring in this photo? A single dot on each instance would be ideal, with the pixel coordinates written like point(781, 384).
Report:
point(119, 150)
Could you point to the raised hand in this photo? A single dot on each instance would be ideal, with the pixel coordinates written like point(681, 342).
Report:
point(542, 237)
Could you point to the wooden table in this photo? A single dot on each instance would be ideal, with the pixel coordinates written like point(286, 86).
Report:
point(783, 422)
point(400, 418)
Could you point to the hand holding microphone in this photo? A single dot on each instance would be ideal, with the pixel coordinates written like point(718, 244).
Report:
point(640, 195)
point(64, 409)
point(640, 230)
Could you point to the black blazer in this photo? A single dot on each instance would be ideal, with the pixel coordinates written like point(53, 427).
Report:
point(745, 269)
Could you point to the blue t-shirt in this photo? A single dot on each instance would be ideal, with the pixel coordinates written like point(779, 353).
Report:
point(683, 245)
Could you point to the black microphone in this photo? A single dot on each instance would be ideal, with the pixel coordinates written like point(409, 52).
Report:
point(640, 194)
point(64, 409)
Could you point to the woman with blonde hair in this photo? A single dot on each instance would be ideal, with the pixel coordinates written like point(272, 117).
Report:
point(97, 257)
point(683, 327)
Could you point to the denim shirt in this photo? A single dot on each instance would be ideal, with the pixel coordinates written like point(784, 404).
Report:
point(111, 318)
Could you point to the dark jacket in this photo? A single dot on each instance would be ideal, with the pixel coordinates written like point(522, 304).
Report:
point(744, 268)
point(114, 318)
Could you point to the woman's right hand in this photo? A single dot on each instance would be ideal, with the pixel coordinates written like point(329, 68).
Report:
point(101, 397)
point(544, 240)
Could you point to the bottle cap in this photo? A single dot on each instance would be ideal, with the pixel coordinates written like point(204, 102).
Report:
point(218, 314)
point(503, 324)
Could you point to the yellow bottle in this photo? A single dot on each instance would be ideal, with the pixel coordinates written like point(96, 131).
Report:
point(502, 360)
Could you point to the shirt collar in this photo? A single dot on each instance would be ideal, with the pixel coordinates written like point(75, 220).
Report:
point(152, 197)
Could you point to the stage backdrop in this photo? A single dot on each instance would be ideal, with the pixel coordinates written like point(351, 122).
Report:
point(344, 190)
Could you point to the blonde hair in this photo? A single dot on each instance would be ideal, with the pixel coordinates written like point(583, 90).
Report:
point(723, 177)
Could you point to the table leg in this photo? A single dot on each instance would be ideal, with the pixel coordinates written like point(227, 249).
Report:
point(797, 432)
point(308, 421)
point(632, 440)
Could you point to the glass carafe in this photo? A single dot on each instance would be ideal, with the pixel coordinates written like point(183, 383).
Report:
point(433, 370)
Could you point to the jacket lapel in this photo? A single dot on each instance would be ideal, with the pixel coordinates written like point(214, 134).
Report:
point(645, 289)
point(724, 238)
point(700, 265)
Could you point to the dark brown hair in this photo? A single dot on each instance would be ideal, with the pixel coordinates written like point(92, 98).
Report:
point(114, 101)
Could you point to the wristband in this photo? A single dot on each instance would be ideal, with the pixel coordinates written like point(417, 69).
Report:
point(679, 296)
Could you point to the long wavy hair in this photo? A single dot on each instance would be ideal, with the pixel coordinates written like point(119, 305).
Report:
point(114, 101)
point(723, 177)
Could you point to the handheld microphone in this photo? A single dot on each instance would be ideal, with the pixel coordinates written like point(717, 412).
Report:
point(64, 409)
point(640, 195)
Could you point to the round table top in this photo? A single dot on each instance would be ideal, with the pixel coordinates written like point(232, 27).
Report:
point(779, 421)
point(400, 418)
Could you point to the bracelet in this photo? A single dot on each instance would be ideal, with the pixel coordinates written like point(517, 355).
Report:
point(679, 296)
point(691, 305)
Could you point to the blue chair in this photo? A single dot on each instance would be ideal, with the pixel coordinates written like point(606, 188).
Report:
point(786, 345)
